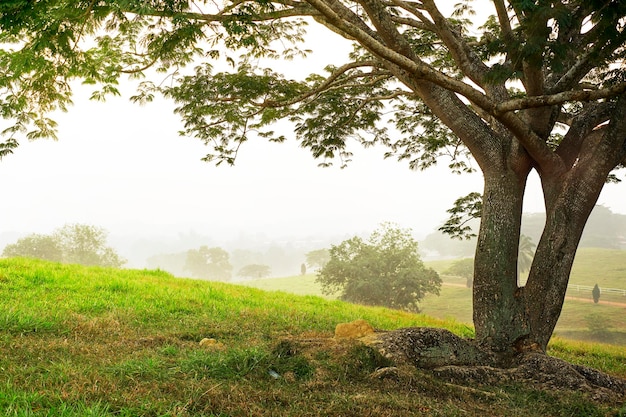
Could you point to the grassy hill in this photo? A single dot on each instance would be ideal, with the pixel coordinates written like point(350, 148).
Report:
point(79, 341)
point(580, 320)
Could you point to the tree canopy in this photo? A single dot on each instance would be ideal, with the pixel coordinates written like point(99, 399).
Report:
point(527, 85)
point(317, 258)
point(254, 271)
point(385, 270)
point(72, 243)
point(209, 263)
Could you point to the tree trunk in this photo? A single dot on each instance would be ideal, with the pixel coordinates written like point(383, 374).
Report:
point(568, 206)
point(499, 316)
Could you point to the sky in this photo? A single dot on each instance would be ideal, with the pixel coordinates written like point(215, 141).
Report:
point(124, 167)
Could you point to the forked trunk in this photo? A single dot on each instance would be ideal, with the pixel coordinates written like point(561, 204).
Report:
point(507, 318)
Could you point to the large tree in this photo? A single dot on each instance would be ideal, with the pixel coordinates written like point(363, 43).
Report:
point(537, 85)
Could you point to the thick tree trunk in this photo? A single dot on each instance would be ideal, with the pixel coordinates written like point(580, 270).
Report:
point(499, 316)
point(568, 208)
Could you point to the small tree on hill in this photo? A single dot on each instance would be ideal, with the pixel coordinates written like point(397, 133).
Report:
point(386, 270)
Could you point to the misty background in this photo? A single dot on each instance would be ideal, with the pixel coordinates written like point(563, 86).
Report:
point(124, 168)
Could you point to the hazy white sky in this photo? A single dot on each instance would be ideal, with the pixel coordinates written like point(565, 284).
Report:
point(124, 167)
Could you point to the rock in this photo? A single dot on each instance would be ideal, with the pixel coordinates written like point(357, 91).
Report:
point(211, 343)
point(428, 348)
point(353, 330)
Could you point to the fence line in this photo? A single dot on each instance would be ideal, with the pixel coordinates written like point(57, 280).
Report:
point(586, 288)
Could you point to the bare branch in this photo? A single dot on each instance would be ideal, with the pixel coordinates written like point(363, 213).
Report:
point(411, 22)
point(409, 7)
point(560, 98)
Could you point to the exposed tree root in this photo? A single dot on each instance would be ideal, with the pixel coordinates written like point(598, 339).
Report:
point(459, 361)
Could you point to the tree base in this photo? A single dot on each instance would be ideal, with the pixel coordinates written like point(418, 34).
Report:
point(460, 361)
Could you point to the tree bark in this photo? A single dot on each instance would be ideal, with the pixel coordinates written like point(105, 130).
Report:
point(569, 202)
point(499, 316)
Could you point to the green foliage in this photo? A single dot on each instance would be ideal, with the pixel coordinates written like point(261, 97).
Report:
point(424, 139)
point(317, 258)
point(386, 270)
point(72, 243)
point(465, 210)
point(35, 246)
point(86, 245)
point(209, 263)
point(463, 268)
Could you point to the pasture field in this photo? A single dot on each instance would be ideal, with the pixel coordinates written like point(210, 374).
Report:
point(89, 341)
point(580, 320)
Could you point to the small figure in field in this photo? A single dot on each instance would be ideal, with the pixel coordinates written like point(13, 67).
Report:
point(596, 294)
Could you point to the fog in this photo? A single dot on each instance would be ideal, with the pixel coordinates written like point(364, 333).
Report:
point(124, 168)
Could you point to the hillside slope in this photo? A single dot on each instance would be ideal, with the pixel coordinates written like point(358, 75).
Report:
point(78, 341)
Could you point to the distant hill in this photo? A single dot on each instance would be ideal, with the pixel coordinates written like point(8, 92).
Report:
point(604, 229)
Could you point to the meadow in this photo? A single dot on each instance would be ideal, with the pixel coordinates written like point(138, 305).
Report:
point(580, 320)
point(89, 341)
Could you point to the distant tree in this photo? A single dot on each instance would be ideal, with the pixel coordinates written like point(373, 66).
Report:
point(463, 268)
point(242, 257)
point(317, 258)
point(209, 263)
point(386, 270)
point(254, 271)
point(86, 245)
point(303, 269)
point(596, 293)
point(35, 246)
point(525, 255)
point(73, 243)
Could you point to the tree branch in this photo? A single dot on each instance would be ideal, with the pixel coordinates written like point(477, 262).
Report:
point(323, 86)
point(469, 63)
point(559, 98)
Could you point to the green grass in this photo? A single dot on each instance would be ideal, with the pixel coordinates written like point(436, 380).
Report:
point(78, 341)
point(605, 266)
